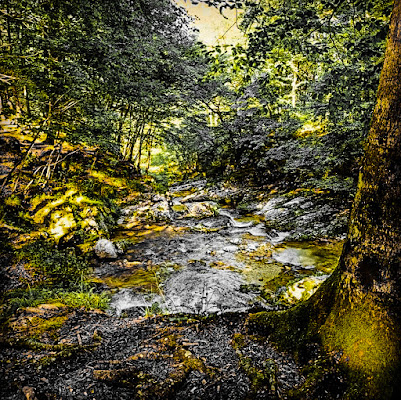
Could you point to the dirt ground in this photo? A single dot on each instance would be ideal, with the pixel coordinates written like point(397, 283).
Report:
point(96, 356)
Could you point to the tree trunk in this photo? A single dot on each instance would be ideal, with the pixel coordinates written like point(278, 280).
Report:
point(356, 313)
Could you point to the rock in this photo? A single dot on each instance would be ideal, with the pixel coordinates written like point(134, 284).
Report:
point(180, 209)
point(196, 197)
point(199, 184)
point(230, 249)
point(202, 290)
point(161, 211)
point(303, 289)
point(201, 210)
point(302, 218)
point(104, 248)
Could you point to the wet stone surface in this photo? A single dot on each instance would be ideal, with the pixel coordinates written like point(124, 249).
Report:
point(200, 258)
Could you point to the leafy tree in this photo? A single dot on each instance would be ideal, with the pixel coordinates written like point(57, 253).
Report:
point(309, 72)
point(95, 73)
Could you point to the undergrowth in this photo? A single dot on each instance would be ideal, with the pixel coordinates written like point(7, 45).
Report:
point(60, 267)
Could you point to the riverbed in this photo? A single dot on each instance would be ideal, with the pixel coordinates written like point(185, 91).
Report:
point(186, 252)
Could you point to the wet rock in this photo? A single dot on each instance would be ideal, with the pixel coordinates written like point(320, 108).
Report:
point(199, 289)
point(302, 218)
point(233, 222)
point(303, 289)
point(104, 248)
point(230, 249)
point(196, 197)
point(155, 209)
point(157, 197)
point(191, 185)
point(201, 210)
point(180, 209)
point(161, 211)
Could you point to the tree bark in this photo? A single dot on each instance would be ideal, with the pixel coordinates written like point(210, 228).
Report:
point(373, 253)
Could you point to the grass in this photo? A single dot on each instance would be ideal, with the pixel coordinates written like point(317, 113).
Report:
point(32, 297)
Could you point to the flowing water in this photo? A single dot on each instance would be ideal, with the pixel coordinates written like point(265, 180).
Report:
point(213, 262)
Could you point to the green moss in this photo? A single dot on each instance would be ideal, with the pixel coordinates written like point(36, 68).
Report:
point(251, 218)
point(301, 290)
point(354, 327)
point(180, 208)
point(87, 299)
point(283, 279)
point(258, 266)
point(279, 326)
point(62, 222)
point(186, 360)
point(363, 332)
point(260, 377)
point(323, 255)
point(128, 377)
point(32, 297)
point(238, 341)
point(139, 279)
point(12, 201)
point(38, 326)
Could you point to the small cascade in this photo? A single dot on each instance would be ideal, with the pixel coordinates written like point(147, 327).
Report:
point(234, 223)
point(204, 259)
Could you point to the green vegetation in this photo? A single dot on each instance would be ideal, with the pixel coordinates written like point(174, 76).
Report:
point(59, 266)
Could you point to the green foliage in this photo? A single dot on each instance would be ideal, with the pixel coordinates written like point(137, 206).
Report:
point(302, 92)
point(98, 73)
point(61, 267)
point(87, 299)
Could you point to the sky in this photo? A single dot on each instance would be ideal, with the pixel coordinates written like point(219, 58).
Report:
point(213, 27)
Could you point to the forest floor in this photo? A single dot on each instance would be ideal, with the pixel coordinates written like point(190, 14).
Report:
point(180, 357)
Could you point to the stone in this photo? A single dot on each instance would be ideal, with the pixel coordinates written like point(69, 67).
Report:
point(201, 210)
point(161, 211)
point(230, 249)
point(104, 248)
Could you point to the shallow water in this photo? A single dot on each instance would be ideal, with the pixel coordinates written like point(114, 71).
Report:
point(214, 264)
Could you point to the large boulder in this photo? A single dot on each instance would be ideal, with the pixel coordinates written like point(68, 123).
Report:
point(303, 218)
point(104, 248)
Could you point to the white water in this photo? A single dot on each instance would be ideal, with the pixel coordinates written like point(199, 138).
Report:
point(235, 223)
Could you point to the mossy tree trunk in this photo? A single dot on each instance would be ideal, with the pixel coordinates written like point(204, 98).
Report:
point(356, 313)
point(372, 256)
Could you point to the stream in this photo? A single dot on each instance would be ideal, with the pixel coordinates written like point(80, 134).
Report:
point(183, 253)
